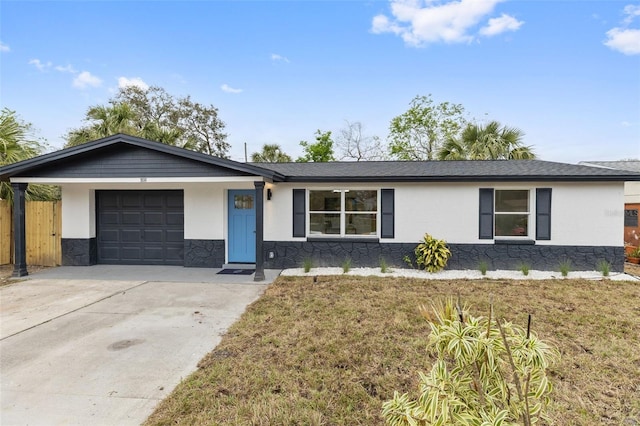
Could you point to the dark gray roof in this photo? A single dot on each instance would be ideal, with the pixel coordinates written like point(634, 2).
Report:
point(23, 168)
point(628, 165)
point(373, 171)
point(446, 171)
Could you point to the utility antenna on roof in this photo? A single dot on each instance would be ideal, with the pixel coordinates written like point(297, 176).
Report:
point(245, 152)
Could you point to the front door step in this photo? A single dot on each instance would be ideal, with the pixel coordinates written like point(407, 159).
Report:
point(239, 266)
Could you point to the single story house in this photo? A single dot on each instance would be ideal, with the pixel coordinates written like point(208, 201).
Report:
point(127, 200)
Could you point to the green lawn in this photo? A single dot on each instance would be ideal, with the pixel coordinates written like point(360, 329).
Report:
point(330, 353)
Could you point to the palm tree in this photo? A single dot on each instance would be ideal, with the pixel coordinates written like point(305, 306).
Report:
point(17, 144)
point(271, 153)
point(489, 142)
point(106, 121)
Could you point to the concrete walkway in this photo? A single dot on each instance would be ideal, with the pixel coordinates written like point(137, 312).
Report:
point(102, 345)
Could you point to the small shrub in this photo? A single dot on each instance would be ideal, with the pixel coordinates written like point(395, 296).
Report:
point(565, 267)
point(384, 268)
point(408, 261)
point(432, 254)
point(307, 264)
point(524, 268)
point(487, 372)
point(604, 267)
point(346, 265)
point(482, 266)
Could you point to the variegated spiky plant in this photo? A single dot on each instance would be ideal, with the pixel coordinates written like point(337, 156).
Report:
point(487, 372)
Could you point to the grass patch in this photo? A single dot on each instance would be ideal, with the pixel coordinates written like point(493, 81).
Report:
point(524, 268)
point(384, 267)
point(346, 265)
point(307, 264)
point(482, 267)
point(331, 353)
point(604, 267)
point(565, 267)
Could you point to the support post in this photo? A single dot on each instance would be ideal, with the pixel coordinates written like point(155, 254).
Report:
point(259, 275)
point(19, 230)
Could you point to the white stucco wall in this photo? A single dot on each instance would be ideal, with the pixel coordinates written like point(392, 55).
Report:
point(632, 192)
point(205, 207)
point(591, 214)
point(78, 212)
point(582, 213)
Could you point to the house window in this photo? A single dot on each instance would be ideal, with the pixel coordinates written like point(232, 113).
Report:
point(243, 202)
point(343, 212)
point(512, 210)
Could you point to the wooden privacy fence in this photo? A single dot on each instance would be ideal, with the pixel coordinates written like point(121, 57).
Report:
point(43, 233)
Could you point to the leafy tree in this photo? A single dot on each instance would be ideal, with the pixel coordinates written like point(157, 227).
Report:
point(418, 133)
point(271, 153)
point(18, 143)
point(353, 145)
point(319, 152)
point(156, 115)
point(490, 142)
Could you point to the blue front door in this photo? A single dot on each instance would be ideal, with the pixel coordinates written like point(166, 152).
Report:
point(242, 226)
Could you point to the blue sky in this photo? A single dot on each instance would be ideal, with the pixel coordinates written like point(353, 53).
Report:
point(565, 72)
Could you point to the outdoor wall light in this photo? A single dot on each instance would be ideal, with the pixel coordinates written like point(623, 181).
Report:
point(269, 194)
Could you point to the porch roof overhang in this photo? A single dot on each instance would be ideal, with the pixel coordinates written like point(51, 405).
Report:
point(122, 158)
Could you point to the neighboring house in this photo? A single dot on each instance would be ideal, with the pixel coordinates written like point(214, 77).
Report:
point(127, 200)
point(631, 197)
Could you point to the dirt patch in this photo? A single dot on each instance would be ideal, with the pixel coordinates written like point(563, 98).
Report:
point(632, 269)
point(7, 270)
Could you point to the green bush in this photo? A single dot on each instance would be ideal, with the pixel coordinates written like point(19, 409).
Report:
point(307, 264)
point(346, 265)
point(487, 372)
point(432, 254)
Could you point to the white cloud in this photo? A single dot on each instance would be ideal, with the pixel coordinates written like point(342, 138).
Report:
point(39, 64)
point(67, 68)
point(86, 79)
point(626, 41)
point(421, 22)
point(275, 57)
point(135, 81)
point(499, 25)
point(632, 11)
point(229, 89)
point(623, 39)
point(4, 47)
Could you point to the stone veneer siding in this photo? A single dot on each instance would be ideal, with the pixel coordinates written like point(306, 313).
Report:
point(291, 254)
point(79, 251)
point(204, 253)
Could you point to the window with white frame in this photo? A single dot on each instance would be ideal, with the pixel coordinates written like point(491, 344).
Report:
point(512, 213)
point(343, 212)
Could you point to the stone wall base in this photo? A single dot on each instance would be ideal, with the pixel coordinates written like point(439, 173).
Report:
point(291, 254)
point(204, 253)
point(79, 251)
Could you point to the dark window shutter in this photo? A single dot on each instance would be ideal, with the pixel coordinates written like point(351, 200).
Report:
point(387, 212)
point(486, 214)
point(299, 213)
point(543, 213)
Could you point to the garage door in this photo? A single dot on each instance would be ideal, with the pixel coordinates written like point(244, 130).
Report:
point(140, 227)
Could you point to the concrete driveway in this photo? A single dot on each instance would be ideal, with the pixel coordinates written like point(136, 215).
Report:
point(101, 345)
